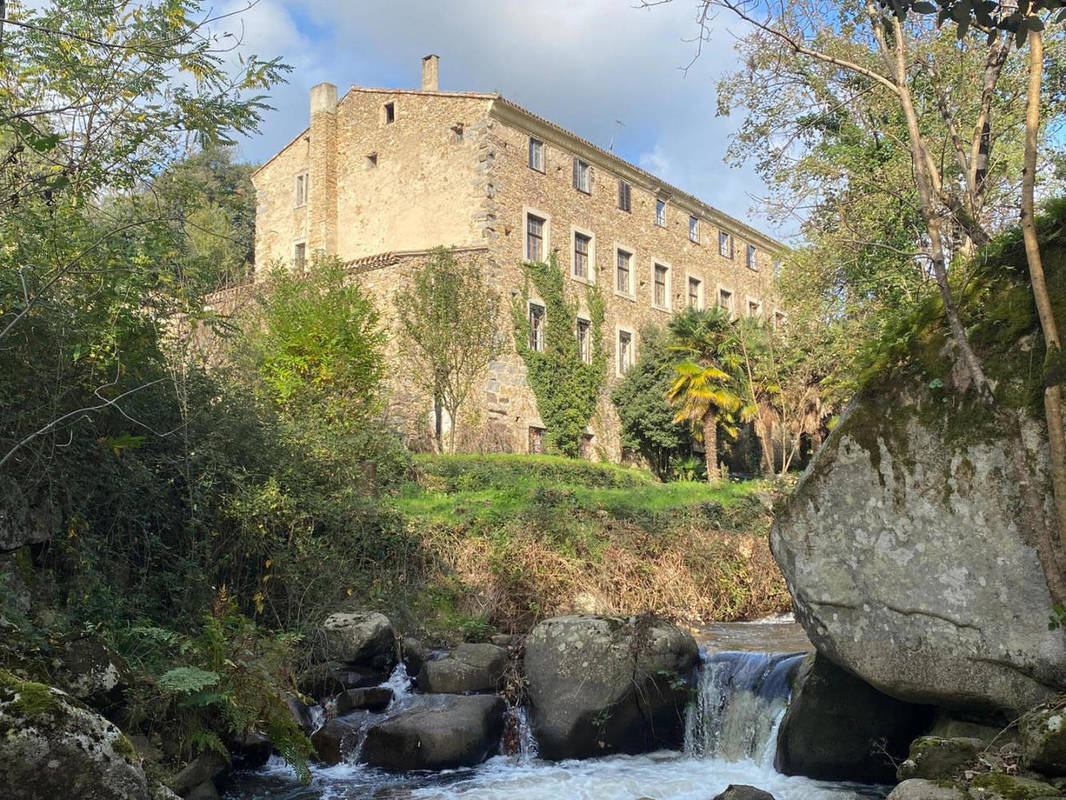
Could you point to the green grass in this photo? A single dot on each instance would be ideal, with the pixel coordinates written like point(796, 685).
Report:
point(499, 488)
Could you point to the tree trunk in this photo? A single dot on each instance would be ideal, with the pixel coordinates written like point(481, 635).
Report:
point(710, 446)
point(1048, 324)
point(438, 423)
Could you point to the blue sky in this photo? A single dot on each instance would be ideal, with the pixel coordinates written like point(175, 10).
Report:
point(605, 69)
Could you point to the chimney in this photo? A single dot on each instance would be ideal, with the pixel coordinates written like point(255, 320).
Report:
point(322, 197)
point(431, 73)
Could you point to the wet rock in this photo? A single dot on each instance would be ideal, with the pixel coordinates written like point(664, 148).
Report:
point(340, 736)
point(250, 750)
point(323, 681)
point(470, 668)
point(363, 639)
point(51, 746)
point(600, 685)
point(741, 791)
point(437, 732)
point(839, 728)
point(301, 714)
point(205, 768)
point(373, 698)
point(921, 789)
point(908, 547)
point(1043, 739)
point(414, 655)
point(205, 791)
point(937, 758)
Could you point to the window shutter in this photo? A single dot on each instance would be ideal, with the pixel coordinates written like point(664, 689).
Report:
point(577, 177)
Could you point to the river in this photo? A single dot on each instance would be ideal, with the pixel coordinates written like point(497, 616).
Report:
point(731, 729)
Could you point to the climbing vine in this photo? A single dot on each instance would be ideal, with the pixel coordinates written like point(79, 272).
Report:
point(566, 387)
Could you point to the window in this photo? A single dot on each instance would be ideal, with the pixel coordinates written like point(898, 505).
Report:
point(625, 351)
point(536, 328)
point(457, 132)
point(372, 160)
point(694, 229)
point(778, 265)
point(581, 176)
point(299, 257)
point(779, 320)
point(624, 196)
point(695, 292)
point(622, 279)
point(534, 238)
point(586, 446)
point(660, 296)
point(536, 154)
point(751, 257)
point(725, 244)
point(725, 300)
point(581, 255)
point(390, 113)
point(660, 213)
point(584, 349)
point(754, 308)
point(301, 189)
point(536, 440)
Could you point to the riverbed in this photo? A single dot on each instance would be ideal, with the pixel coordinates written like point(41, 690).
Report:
point(732, 727)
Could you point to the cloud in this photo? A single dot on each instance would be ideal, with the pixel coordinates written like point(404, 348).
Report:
point(604, 69)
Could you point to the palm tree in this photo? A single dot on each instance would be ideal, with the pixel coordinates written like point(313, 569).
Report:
point(706, 389)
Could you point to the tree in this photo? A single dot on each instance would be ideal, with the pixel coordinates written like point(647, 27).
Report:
point(899, 87)
point(1022, 20)
point(449, 320)
point(705, 389)
point(648, 425)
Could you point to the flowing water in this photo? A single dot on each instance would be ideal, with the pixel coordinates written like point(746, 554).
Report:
point(731, 729)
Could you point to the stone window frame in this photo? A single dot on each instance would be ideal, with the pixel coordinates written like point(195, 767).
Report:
point(668, 288)
point(624, 248)
point(660, 212)
point(536, 345)
point(618, 331)
point(301, 188)
point(582, 175)
point(299, 256)
point(701, 301)
point(582, 321)
point(779, 319)
point(388, 112)
point(591, 277)
point(625, 196)
point(694, 229)
point(728, 242)
point(750, 256)
point(753, 301)
point(545, 239)
point(535, 434)
point(372, 160)
point(731, 309)
point(543, 168)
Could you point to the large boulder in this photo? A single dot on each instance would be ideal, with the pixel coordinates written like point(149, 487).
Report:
point(52, 746)
point(91, 671)
point(601, 685)
point(341, 736)
point(362, 639)
point(439, 731)
point(469, 668)
point(921, 789)
point(1043, 734)
point(909, 546)
point(23, 520)
point(742, 791)
point(203, 770)
point(839, 728)
point(936, 758)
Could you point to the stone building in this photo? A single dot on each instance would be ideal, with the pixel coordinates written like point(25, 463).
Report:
point(381, 176)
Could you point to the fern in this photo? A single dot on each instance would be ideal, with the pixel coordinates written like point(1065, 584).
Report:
point(187, 680)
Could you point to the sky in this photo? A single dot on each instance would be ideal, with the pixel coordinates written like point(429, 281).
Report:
point(608, 70)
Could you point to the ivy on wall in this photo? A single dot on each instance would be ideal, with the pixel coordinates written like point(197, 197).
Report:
point(566, 388)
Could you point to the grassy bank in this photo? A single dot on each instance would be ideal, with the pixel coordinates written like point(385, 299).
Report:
point(518, 538)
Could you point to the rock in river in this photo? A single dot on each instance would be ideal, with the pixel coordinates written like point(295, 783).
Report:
point(909, 547)
point(602, 685)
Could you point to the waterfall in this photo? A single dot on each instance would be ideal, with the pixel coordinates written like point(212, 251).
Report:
point(740, 699)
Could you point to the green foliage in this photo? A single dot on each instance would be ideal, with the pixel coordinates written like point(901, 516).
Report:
point(566, 388)
point(648, 425)
point(449, 319)
point(186, 680)
point(459, 473)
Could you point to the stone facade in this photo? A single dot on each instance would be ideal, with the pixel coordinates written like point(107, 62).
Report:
point(384, 175)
